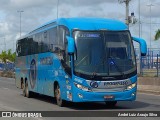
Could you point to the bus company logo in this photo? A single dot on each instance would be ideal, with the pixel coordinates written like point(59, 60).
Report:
point(94, 84)
point(33, 73)
point(120, 83)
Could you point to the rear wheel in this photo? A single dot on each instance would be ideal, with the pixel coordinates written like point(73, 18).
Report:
point(23, 89)
point(111, 103)
point(57, 93)
point(27, 92)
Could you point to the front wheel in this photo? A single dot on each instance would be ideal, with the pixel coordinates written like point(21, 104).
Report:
point(111, 103)
point(57, 93)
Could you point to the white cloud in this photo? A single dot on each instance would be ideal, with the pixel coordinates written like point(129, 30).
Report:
point(37, 12)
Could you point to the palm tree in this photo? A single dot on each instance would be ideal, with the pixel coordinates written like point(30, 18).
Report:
point(157, 35)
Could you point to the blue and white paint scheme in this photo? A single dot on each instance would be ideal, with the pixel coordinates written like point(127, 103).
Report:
point(79, 60)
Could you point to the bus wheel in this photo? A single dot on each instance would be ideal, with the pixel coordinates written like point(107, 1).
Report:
point(27, 92)
point(23, 89)
point(57, 93)
point(111, 103)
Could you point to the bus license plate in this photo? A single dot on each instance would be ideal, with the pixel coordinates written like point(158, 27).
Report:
point(108, 97)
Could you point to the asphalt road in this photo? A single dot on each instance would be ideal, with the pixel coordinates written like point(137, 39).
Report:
point(11, 99)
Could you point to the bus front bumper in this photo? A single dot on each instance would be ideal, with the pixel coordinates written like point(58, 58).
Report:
point(84, 96)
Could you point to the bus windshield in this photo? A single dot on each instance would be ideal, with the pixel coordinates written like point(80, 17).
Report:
point(104, 53)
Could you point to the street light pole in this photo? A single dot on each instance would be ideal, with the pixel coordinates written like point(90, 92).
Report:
point(57, 8)
point(20, 11)
point(139, 18)
point(150, 6)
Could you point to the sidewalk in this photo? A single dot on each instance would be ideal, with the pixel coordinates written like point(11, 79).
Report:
point(149, 85)
point(146, 89)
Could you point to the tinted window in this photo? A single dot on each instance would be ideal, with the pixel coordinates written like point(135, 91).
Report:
point(53, 39)
point(22, 47)
point(44, 42)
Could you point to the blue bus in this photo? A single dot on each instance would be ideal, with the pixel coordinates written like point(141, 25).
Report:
point(79, 60)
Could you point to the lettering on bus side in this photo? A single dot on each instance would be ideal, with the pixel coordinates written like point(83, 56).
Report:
point(46, 61)
point(119, 83)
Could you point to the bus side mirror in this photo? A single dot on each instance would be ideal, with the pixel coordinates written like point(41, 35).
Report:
point(71, 45)
point(143, 45)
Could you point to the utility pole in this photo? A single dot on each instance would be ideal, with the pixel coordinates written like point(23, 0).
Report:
point(127, 10)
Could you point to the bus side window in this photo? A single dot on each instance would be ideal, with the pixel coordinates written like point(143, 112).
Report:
point(43, 45)
point(36, 39)
point(39, 38)
point(18, 49)
point(52, 39)
point(35, 45)
point(23, 47)
point(45, 40)
point(63, 42)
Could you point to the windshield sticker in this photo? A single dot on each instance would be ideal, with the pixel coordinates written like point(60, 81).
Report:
point(88, 35)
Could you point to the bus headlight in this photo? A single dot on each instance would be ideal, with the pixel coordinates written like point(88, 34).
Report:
point(131, 86)
point(81, 87)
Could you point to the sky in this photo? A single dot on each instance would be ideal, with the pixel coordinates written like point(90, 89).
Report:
point(38, 12)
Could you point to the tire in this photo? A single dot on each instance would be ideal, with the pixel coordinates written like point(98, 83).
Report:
point(57, 93)
point(23, 90)
point(27, 92)
point(111, 103)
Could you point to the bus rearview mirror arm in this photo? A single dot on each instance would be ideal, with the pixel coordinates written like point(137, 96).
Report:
point(143, 45)
point(71, 45)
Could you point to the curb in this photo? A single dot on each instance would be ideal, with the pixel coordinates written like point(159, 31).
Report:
point(149, 91)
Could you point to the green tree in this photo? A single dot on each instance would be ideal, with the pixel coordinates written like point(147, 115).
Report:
point(3, 56)
point(11, 56)
point(157, 35)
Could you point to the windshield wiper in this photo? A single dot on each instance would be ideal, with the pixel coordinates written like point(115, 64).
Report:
point(81, 60)
point(116, 66)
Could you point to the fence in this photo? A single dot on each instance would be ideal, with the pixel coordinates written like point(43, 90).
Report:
point(8, 66)
point(150, 64)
